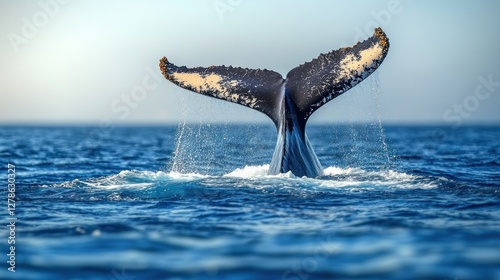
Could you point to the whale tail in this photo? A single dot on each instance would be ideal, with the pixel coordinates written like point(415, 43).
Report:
point(290, 101)
point(310, 85)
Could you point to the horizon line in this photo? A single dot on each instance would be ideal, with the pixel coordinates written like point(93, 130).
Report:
point(171, 123)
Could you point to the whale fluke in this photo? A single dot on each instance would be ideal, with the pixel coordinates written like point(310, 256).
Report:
point(254, 88)
point(290, 101)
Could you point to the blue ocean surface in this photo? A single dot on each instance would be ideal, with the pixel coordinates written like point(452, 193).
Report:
point(193, 201)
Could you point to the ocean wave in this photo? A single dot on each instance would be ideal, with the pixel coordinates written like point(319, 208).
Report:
point(256, 171)
point(338, 177)
point(256, 176)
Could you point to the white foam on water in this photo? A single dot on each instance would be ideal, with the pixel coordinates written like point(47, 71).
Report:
point(388, 178)
point(257, 171)
point(338, 177)
point(335, 177)
point(186, 176)
point(123, 186)
point(333, 170)
point(249, 171)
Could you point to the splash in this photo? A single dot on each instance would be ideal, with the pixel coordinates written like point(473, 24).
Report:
point(254, 177)
point(249, 172)
point(197, 146)
point(362, 142)
point(216, 149)
point(377, 96)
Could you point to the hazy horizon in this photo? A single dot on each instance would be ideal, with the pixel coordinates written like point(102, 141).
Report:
point(96, 62)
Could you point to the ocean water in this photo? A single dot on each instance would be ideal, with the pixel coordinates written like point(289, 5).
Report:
point(194, 202)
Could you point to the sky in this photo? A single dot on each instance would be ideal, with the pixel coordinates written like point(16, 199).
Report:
point(96, 62)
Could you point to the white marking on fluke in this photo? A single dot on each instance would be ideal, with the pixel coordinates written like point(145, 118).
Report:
point(365, 60)
point(203, 83)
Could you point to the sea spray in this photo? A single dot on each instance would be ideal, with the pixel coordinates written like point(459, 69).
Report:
point(362, 141)
point(204, 147)
point(200, 145)
point(377, 96)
